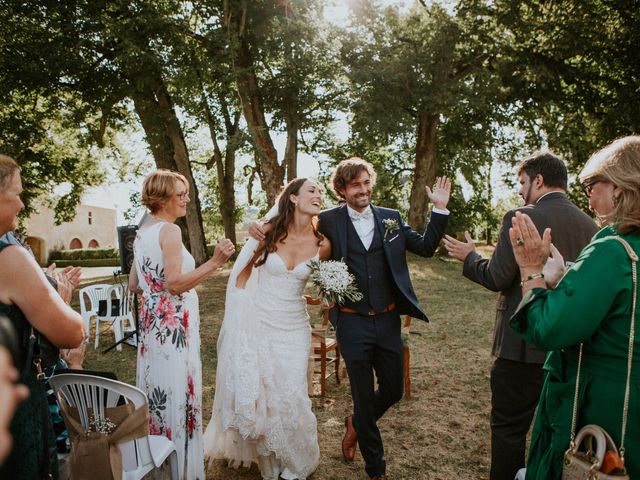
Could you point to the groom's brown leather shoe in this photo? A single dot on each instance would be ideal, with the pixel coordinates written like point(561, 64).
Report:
point(350, 440)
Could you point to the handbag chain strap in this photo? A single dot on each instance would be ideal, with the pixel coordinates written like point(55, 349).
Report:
point(625, 409)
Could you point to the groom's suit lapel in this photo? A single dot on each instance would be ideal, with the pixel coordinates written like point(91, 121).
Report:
point(379, 217)
point(342, 224)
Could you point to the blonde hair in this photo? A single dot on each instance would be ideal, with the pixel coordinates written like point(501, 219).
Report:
point(8, 168)
point(159, 186)
point(619, 163)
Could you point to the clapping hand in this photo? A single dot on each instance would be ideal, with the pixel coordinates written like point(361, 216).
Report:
point(66, 280)
point(530, 250)
point(441, 192)
point(554, 268)
point(458, 249)
point(72, 274)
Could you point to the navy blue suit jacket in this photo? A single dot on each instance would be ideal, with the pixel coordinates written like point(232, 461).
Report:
point(333, 224)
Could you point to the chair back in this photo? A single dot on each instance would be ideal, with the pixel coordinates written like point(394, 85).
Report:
point(123, 295)
point(89, 299)
point(89, 391)
point(325, 313)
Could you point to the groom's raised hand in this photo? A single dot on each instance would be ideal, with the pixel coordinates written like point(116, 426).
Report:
point(458, 249)
point(441, 193)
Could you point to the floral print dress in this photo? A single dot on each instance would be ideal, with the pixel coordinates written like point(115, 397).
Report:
point(169, 368)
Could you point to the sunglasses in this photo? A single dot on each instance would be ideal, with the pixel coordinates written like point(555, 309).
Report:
point(588, 187)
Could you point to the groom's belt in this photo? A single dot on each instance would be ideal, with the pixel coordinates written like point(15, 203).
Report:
point(389, 308)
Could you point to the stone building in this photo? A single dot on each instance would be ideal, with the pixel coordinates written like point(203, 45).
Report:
point(93, 227)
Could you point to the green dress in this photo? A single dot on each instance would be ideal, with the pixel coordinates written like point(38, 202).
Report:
point(28, 423)
point(592, 305)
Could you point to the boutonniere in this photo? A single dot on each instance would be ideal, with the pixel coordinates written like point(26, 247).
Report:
point(390, 225)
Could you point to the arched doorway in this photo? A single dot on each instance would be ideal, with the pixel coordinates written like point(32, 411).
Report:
point(93, 243)
point(37, 247)
point(75, 244)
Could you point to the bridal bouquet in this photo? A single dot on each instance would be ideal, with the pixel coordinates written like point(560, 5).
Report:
point(334, 282)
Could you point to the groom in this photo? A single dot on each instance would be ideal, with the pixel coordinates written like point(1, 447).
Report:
point(373, 242)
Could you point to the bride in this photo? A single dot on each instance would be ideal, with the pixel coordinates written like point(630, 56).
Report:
point(261, 410)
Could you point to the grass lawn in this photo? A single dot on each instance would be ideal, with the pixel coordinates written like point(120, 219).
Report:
point(441, 433)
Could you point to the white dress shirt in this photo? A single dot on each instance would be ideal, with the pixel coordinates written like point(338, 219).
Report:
point(364, 226)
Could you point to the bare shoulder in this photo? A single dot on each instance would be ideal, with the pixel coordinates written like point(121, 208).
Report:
point(170, 229)
point(19, 268)
point(16, 257)
point(170, 235)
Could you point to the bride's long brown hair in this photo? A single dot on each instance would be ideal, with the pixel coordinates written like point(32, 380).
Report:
point(281, 222)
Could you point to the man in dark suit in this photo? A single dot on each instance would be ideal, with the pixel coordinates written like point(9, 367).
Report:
point(373, 242)
point(516, 375)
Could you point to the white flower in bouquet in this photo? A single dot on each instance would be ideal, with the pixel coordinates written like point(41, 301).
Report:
point(334, 282)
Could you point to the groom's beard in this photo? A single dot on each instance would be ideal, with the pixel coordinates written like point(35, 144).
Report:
point(361, 202)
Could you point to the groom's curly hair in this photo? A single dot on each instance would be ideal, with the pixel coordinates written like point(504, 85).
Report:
point(281, 222)
point(347, 170)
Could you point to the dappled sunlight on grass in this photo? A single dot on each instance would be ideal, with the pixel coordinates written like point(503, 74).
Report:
point(441, 433)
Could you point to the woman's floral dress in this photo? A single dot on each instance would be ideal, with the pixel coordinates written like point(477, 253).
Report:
point(169, 368)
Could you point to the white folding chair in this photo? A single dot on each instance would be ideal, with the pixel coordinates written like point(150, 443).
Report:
point(140, 456)
point(116, 318)
point(89, 300)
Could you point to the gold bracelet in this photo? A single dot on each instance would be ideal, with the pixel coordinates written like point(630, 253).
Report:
point(533, 276)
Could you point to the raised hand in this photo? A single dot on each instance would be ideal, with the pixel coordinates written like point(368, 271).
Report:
point(457, 249)
point(441, 192)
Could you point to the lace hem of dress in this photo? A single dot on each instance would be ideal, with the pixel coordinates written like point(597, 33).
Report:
point(245, 427)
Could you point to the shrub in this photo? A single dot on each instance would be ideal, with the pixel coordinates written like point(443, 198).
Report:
point(84, 254)
point(90, 262)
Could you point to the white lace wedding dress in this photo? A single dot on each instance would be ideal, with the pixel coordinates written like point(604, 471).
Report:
point(261, 410)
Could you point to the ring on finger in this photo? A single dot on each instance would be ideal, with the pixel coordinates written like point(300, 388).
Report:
point(519, 242)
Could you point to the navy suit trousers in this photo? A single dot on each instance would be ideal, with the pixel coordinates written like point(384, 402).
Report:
point(368, 344)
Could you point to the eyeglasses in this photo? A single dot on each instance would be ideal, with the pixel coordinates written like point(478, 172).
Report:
point(183, 195)
point(588, 187)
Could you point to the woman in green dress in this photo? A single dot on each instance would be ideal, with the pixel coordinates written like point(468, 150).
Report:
point(28, 300)
point(591, 305)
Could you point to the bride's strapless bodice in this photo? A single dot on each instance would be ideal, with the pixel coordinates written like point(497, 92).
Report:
point(282, 290)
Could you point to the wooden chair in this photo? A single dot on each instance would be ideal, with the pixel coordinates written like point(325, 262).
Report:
point(406, 327)
point(322, 344)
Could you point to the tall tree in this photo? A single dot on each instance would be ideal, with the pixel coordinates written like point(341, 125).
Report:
point(415, 76)
point(281, 63)
point(43, 126)
point(204, 87)
point(572, 69)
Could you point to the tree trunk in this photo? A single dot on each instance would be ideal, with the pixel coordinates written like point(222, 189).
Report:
point(291, 150)
point(154, 107)
point(270, 171)
point(425, 168)
point(225, 167)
